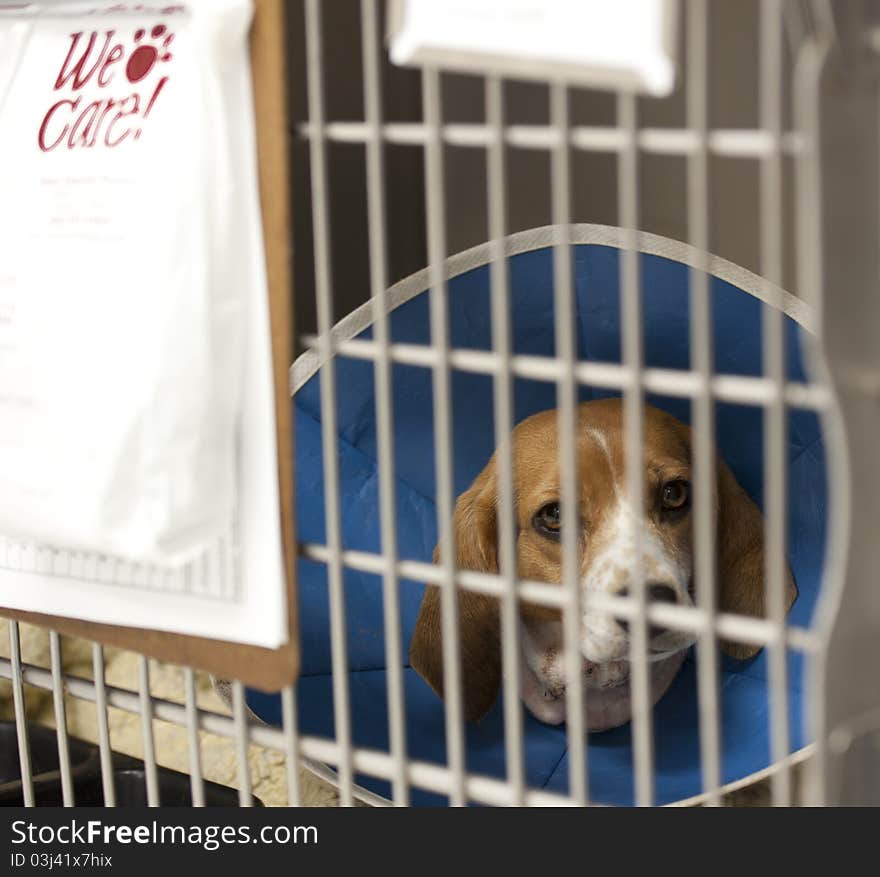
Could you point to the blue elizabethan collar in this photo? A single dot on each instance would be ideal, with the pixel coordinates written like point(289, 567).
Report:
point(664, 267)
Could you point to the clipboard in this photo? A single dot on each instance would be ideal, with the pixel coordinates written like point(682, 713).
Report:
point(262, 668)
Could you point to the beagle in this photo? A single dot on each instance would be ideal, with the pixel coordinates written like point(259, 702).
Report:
point(608, 560)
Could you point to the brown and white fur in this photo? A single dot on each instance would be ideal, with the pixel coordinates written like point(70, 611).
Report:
point(608, 561)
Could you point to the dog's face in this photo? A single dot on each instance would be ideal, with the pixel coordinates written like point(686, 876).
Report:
point(611, 555)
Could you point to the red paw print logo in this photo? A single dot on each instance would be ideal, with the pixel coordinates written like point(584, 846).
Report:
point(145, 57)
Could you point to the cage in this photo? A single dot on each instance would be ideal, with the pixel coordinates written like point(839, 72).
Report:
point(578, 245)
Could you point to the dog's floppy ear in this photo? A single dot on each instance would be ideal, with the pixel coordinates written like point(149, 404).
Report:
point(476, 547)
point(741, 558)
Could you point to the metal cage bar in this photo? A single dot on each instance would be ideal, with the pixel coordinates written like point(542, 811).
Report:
point(809, 63)
point(730, 626)
point(503, 402)
point(146, 711)
point(633, 400)
point(703, 404)
point(566, 392)
point(291, 740)
point(682, 383)
point(197, 784)
point(436, 226)
point(775, 426)
point(21, 725)
point(239, 712)
point(384, 406)
point(107, 781)
point(324, 291)
point(60, 718)
point(727, 143)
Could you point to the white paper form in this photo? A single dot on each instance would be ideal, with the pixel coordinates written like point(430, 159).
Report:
point(66, 155)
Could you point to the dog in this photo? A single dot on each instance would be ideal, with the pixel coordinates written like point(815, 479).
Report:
point(608, 562)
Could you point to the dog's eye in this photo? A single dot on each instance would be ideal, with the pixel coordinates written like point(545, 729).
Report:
point(546, 521)
point(675, 495)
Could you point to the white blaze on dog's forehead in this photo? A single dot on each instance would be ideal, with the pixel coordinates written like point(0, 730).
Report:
point(601, 439)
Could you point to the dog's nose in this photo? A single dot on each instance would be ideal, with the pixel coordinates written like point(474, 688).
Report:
point(655, 592)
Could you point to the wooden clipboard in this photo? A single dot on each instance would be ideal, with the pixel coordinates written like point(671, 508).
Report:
point(266, 669)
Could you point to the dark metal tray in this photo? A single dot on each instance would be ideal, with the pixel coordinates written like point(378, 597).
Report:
point(129, 775)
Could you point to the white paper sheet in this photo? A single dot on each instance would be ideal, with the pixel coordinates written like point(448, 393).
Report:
point(603, 43)
point(235, 588)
